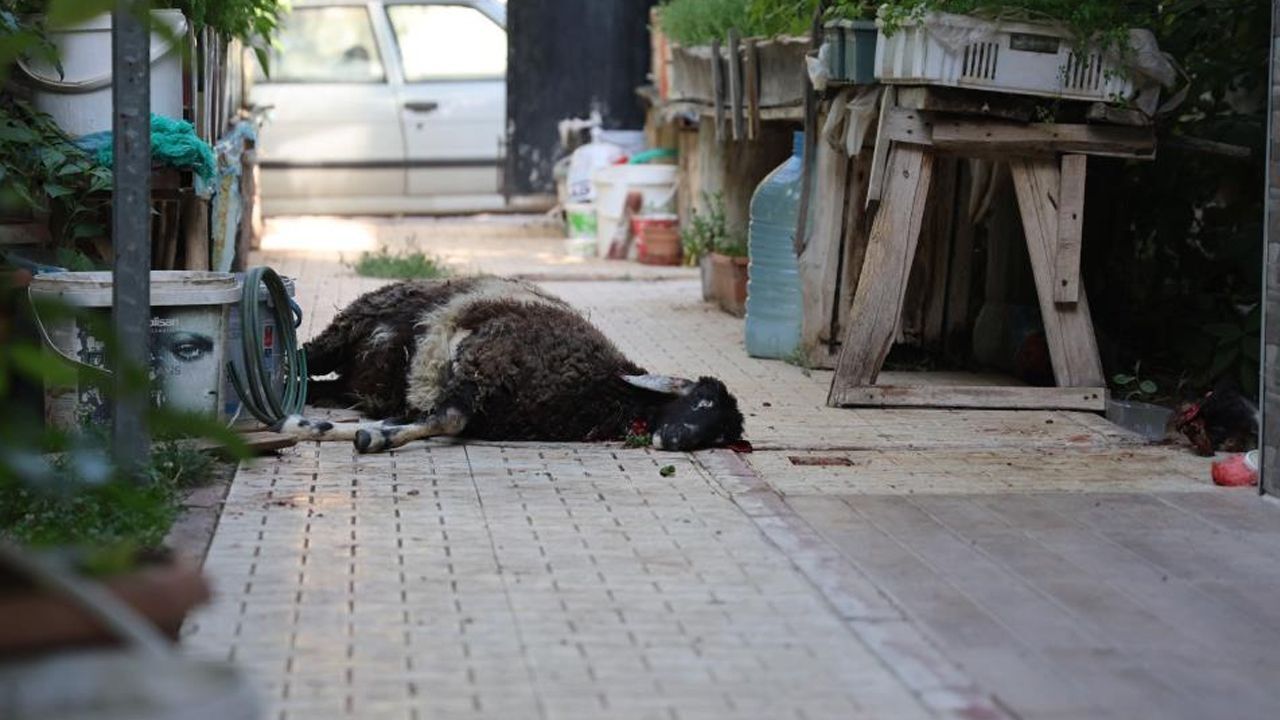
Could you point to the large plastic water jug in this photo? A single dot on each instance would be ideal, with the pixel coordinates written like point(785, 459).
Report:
point(774, 301)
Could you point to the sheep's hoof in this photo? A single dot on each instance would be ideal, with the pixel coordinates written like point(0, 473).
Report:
point(368, 442)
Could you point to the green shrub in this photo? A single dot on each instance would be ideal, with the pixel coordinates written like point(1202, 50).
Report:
point(403, 266)
point(852, 9)
point(698, 22)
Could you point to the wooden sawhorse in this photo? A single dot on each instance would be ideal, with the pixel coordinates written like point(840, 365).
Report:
point(1047, 162)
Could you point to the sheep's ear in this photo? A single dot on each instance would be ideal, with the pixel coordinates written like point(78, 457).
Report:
point(660, 383)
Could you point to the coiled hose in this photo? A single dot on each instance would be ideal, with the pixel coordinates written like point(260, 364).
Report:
point(257, 392)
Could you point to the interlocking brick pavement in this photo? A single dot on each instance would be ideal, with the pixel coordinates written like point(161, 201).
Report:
point(530, 581)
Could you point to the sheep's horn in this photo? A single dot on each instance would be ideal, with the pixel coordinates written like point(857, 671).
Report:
point(660, 383)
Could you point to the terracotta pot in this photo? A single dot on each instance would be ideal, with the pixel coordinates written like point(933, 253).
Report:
point(657, 239)
point(35, 620)
point(729, 277)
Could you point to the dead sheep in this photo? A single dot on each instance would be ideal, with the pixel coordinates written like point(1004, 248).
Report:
point(496, 359)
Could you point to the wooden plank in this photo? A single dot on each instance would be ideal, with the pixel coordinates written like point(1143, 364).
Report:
point(921, 321)
point(856, 237)
point(1066, 266)
point(259, 442)
point(883, 281)
point(690, 185)
point(789, 113)
point(942, 230)
point(1068, 328)
point(977, 397)
point(819, 263)
point(961, 101)
point(735, 85)
point(251, 227)
point(1038, 139)
point(875, 187)
point(752, 80)
point(907, 126)
point(195, 223)
point(718, 82)
point(960, 275)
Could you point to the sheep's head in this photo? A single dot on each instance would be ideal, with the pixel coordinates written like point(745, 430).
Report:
point(697, 414)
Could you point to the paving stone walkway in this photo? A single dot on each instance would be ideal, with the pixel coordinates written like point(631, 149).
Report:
point(508, 582)
point(861, 564)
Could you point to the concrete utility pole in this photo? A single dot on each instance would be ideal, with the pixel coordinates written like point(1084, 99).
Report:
point(1270, 440)
point(131, 224)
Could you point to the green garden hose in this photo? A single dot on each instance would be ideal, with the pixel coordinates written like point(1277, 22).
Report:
point(257, 392)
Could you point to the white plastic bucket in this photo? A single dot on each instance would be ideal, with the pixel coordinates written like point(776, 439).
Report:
point(580, 219)
point(79, 99)
point(655, 183)
point(188, 341)
point(270, 345)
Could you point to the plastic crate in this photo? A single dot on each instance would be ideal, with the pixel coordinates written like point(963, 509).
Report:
point(851, 48)
point(1008, 57)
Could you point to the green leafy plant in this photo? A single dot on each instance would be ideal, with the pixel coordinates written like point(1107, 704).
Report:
point(400, 266)
point(43, 172)
point(708, 232)
point(697, 22)
point(851, 10)
point(732, 245)
point(1090, 21)
point(253, 22)
point(1236, 350)
point(1134, 386)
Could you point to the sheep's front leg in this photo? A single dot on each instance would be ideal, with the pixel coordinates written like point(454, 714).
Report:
point(448, 423)
point(304, 428)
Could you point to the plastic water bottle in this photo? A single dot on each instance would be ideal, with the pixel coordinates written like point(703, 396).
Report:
point(774, 301)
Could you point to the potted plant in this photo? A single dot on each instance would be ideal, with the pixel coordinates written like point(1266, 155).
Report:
point(700, 237)
point(779, 27)
point(729, 274)
point(1135, 410)
point(142, 674)
point(849, 41)
point(159, 588)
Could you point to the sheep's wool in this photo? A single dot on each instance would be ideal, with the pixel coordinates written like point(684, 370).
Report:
point(437, 347)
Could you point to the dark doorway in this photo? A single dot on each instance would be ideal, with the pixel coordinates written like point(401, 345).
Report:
point(567, 58)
